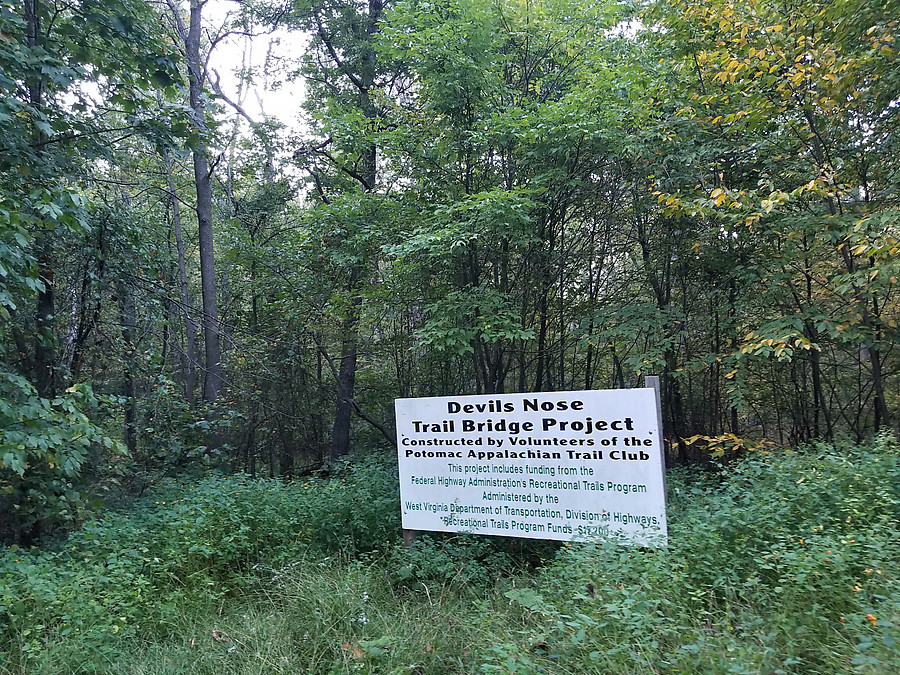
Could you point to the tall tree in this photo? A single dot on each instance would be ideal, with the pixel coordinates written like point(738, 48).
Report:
point(52, 134)
point(792, 113)
point(511, 159)
point(346, 79)
point(190, 35)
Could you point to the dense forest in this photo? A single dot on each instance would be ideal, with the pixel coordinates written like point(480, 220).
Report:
point(206, 315)
point(485, 197)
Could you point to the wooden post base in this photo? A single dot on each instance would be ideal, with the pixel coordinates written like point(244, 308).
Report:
point(409, 536)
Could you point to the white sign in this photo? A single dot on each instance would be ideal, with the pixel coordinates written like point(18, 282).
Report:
point(571, 465)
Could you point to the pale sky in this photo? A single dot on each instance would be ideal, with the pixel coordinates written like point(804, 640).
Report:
point(267, 55)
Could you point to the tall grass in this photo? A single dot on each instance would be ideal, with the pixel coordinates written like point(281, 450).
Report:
point(784, 562)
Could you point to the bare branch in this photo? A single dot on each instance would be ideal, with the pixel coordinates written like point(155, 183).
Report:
point(216, 84)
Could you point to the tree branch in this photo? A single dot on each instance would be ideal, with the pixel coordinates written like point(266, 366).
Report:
point(337, 59)
point(359, 411)
point(72, 137)
point(216, 84)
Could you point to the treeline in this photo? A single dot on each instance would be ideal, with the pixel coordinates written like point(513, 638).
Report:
point(488, 196)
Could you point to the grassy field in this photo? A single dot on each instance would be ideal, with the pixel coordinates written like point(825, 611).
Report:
point(782, 562)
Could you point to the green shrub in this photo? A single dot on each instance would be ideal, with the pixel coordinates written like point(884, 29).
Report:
point(457, 559)
point(783, 562)
point(787, 562)
point(187, 541)
point(44, 444)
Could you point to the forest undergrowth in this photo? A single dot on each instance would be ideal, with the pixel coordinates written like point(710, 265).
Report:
point(785, 561)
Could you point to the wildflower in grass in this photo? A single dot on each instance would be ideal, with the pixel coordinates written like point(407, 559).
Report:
point(872, 619)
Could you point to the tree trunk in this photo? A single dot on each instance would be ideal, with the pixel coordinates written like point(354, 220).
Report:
point(129, 390)
point(340, 435)
point(542, 342)
point(882, 417)
point(212, 385)
point(45, 342)
point(190, 328)
point(362, 81)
